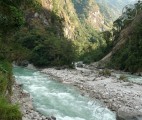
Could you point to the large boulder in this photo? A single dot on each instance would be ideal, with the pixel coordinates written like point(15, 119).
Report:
point(53, 118)
point(130, 118)
point(79, 64)
point(129, 114)
point(31, 66)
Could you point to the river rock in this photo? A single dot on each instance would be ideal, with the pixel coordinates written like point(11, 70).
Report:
point(25, 103)
point(53, 118)
point(36, 15)
point(130, 118)
point(129, 114)
point(31, 66)
point(23, 118)
point(79, 64)
point(20, 84)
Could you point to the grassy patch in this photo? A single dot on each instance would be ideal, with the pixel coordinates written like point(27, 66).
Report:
point(8, 111)
point(123, 78)
point(5, 77)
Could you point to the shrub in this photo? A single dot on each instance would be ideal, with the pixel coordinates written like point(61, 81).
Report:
point(123, 78)
point(105, 72)
point(129, 56)
point(8, 111)
point(87, 60)
point(5, 77)
point(3, 84)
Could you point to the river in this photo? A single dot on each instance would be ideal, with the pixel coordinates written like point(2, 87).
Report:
point(131, 78)
point(52, 98)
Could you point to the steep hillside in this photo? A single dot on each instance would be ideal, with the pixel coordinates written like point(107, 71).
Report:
point(65, 10)
point(57, 21)
point(72, 26)
point(73, 11)
point(127, 45)
point(89, 13)
point(112, 9)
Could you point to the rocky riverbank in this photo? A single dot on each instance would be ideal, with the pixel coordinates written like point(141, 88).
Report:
point(24, 100)
point(124, 98)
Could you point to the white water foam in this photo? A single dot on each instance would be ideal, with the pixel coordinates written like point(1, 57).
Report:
point(56, 99)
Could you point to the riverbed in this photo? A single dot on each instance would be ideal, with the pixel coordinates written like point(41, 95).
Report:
point(53, 98)
point(123, 97)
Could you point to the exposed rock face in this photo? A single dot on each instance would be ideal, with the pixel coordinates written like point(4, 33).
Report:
point(64, 9)
point(96, 19)
point(68, 11)
point(48, 4)
point(89, 12)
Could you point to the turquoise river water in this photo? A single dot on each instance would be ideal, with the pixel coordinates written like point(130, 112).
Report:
point(53, 98)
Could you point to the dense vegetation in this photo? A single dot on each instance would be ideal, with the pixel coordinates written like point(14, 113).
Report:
point(99, 46)
point(46, 49)
point(129, 56)
point(7, 111)
point(10, 19)
point(45, 45)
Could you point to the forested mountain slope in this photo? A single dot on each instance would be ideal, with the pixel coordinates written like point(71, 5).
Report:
point(57, 21)
point(127, 45)
point(112, 9)
point(72, 26)
point(44, 21)
point(89, 13)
